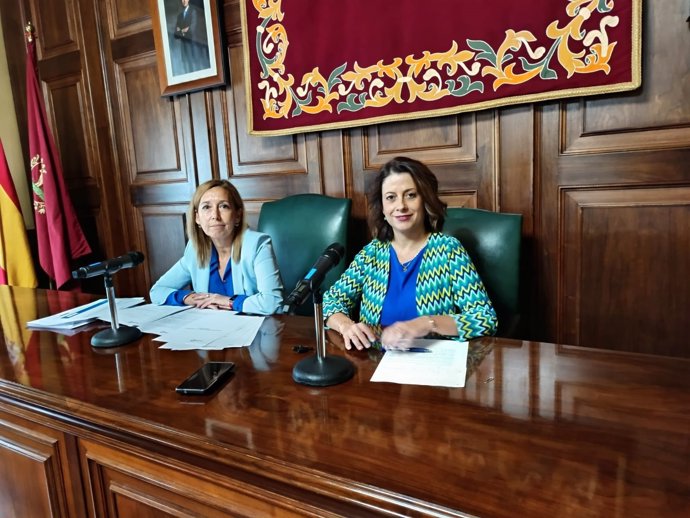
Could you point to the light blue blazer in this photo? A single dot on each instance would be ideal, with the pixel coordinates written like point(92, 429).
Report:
point(256, 275)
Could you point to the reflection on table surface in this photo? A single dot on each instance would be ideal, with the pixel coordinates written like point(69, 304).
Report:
point(540, 428)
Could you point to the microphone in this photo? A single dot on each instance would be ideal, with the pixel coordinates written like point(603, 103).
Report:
point(314, 277)
point(109, 266)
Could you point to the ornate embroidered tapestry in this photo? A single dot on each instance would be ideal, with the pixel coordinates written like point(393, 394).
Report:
point(321, 64)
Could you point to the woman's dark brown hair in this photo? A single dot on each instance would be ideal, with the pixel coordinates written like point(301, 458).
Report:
point(427, 188)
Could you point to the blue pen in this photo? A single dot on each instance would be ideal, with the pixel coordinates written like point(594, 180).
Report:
point(412, 350)
point(85, 308)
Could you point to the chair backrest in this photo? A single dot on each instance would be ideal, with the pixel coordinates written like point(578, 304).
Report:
point(493, 239)
point(301, 227)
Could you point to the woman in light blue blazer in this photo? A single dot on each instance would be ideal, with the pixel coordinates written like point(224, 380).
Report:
point(225, 265)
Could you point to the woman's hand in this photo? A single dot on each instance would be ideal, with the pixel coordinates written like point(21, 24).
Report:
point(354, 334)
point(357, 334)
point(400, 334)
point(208, 301)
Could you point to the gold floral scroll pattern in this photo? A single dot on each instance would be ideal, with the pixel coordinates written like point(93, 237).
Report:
point(520, 58)
point(37, 186)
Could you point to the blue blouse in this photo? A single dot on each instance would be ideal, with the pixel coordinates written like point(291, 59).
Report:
point(216, 284)
point(400, 303)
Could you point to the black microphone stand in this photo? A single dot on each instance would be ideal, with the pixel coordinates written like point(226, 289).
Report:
point(117, 334)
point(321, 370)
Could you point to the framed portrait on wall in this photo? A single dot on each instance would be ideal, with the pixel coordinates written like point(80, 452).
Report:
point(189, 45)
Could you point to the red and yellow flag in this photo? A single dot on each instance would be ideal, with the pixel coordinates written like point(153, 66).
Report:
point(16, 264)
point(59, 234)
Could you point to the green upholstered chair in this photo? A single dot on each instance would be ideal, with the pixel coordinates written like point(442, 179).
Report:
point(492, 239)
point(301, 228)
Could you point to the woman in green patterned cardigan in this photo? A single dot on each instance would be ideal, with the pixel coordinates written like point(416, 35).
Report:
point(411, 280)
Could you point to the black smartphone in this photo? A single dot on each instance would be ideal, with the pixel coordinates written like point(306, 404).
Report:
point(206, 379)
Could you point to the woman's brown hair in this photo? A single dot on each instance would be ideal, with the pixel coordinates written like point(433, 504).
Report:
point(427, 187)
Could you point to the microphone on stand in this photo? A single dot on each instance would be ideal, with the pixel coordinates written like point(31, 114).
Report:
point(319, 370)
point(314, 277)
point(109, 266)
point(117, 334)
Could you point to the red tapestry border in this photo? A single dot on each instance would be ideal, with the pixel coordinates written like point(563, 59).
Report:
point(570, 48)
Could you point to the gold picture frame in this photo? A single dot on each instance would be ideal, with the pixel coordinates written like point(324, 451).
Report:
point(189, 45)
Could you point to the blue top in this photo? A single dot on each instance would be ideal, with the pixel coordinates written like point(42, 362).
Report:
point(256, 275)
point(399, 304)
point(447, 284)
point(216, 284)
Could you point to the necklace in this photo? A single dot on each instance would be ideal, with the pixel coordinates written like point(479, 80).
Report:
point(407, 264)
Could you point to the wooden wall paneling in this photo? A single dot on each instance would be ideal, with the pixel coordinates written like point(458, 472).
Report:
point(516, 194)
point(625, 251)
point(516, 157)
point(164, 229)
point(233, 24)
point(623, 145)
point(56, 27)
point(153, 133)
point(158, 166)
point(264, 168)
point(39, 473)
point(657, 116)
point(335, 155)
point(150, 485)
point(126, 17)
point(545, 314)
point(104, 195)
point(202, 126)
point(459, 149)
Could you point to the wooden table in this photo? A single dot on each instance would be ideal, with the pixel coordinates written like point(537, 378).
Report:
point(539, 430)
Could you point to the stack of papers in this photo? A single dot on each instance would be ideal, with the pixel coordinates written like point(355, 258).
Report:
point(180, 327)
point(443, 363)
point(205, 329)
point(76, 317)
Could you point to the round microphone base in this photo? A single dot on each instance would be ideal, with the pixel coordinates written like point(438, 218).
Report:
point(322, 372)
point(114, 337)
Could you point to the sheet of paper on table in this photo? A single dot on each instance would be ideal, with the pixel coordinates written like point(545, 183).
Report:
point(81, 315)
point(207, 329)
point(444, 364)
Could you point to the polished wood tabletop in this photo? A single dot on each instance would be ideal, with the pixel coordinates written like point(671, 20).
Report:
point(539, 429)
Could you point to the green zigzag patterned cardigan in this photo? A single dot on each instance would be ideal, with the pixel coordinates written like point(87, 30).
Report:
point(447, 284)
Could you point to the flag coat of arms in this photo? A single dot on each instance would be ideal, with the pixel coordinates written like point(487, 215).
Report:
point(59, 234)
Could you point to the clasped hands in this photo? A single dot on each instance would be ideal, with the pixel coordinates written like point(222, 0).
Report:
point(208, 301)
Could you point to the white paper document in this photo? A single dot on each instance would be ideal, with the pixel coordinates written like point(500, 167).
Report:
point(81, 315)
point(210, 329)
point(171, 324)
point(444, 364)
point(141, 316)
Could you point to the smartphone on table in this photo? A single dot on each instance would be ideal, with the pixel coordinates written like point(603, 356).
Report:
point(206, 379)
